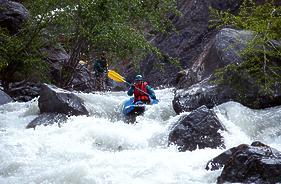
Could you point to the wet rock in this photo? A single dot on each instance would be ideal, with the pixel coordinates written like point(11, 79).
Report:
point(186, 78)
point(200, 129)
point(12, 15)
point(48, 119)
point(210, 94)
point(219, 161)
point(4, 98)
point(56, 100)
point(257, 163)
point(202, 93)
point(24, 91)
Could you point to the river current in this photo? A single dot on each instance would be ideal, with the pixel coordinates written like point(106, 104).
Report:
point(102, 149)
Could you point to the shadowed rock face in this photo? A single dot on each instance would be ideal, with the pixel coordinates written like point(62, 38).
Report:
point(257, 163)
point(12, 15)
point(186, 44)
point(199, 129)
point(222, 50)
point(56, 100)
point(24, 91)
point(196, 85)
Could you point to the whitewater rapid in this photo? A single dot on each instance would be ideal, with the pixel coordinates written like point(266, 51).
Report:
point(102, 149)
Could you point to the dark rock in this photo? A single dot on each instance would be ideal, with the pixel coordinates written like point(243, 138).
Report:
point(4, 98)
point(231, 5)
point(209, 94)
point(203, 93)
point(257, 163)
point(12, 15)
point(185, 44)
point(115, 86)
point(24, 91)
point(225, 49)
point(221, 51)
point(219, 161)
point(56, 100)
point(186, 78)
point(48, 119)
point(56, 57)
point(200, 129)
point(238, 86)
point(82, 79)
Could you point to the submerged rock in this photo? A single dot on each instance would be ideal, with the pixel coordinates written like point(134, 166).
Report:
point(56, 100)
point(48, 119)
point(200, 129)
point(4, 98)
point(257, 163)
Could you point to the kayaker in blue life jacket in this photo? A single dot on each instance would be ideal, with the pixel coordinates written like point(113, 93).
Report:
point(141, 90)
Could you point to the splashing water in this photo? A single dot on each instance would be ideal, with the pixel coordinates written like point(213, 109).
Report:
point(102, 149)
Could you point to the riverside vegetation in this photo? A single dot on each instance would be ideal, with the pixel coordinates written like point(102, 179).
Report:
point(262, 56)
point(118, 27)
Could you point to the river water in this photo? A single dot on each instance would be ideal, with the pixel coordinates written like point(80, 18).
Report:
point(102, 149)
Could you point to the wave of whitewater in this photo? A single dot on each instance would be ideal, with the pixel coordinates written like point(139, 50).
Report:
point(102, 149)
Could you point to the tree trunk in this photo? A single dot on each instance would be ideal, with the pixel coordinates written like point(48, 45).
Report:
point(69, 67)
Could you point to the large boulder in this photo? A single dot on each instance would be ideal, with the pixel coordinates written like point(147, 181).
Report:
point(12, 15)
point(56, 100)
point(224, 49)
point(200, 129)
point(48, 119)
point(4, 98)
point(210, 94)
point(202, 93)
point(196, 86)
point(257, 163)
point(187, 42)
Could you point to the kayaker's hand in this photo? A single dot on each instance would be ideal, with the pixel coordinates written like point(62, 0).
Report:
point(132, 86)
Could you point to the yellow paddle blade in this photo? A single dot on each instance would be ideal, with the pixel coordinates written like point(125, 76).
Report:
point(115, 76)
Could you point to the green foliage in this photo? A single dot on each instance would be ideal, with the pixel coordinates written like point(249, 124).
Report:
point(20, 58)
point(262, 56)
point(114, 26)
point(118, 27)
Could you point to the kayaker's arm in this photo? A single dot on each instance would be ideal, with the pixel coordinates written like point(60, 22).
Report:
point(131, 90)
point(150, 92)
